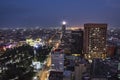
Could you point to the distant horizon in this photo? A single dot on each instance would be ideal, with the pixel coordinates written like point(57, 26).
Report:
point(50, 27)
point(60, 24)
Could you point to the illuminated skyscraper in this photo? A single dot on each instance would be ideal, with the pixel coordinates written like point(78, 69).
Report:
point(95, 40)
point(63, 28)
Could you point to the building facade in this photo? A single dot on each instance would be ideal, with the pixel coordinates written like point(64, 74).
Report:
point(63, 30)
point(95, 40)
point(77, 41)
point(57, 60)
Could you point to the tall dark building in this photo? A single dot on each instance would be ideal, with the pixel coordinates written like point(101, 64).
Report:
point(95, 40)
point(77, 41)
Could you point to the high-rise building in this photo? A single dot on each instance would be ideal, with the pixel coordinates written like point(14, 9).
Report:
point(77, 41)
point(95, 40)
point(57, 60)
point(63, 29)
point(57, 65)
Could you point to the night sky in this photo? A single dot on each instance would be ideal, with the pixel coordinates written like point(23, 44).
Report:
point(51, 12)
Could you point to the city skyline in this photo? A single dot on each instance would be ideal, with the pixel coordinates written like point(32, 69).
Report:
point(52, 13)
point(92, 53)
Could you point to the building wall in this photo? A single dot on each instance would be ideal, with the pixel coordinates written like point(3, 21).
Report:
point(57, 61)
point(95, 39)
point(111, 50)
point(77, 44)
point(79, 70)
point(63, 31)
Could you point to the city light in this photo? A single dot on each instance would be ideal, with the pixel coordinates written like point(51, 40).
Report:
point(64, 22)
point(36, 46)
point(50, 54)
